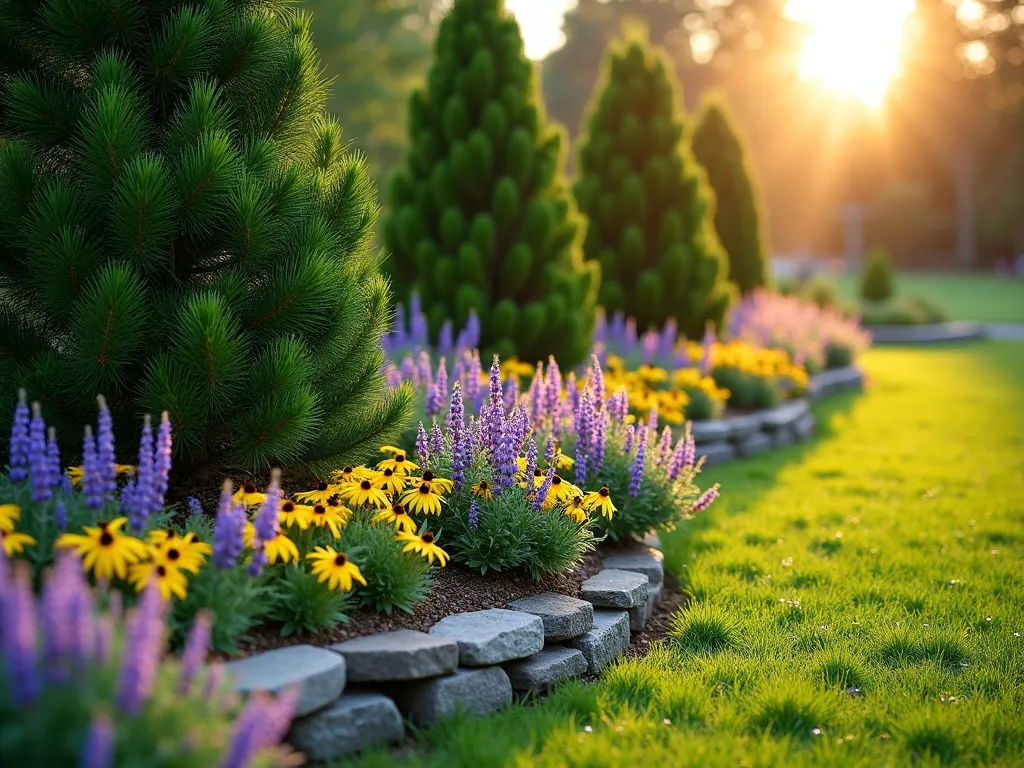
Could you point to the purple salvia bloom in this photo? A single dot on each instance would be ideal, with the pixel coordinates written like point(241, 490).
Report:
point(19, 445)
point(472, 329)
point(598, 440)
point(584, 422)
point(259, 559)
point(424, 369)
point(545, 488)
point(648, 347)
point(620, 408)
point(690, 452)
point(459, 369)
point(473, 385)
point(421, 443)
point(652, 420)
point(531, 465)
point(706, 499)
point(417, 320)
point(462, 454)
point(66, 486)
point(636, 473)
point(214, 681)
point(140, 659)
point(664, 450)
point(511, 393)
point(536, 395)
point(38, 459)
point(143, 499)
point(18, 633)
point(474, 514)
point(495, 394)
point(100, 741)
point(106, 460)
point(127, 499)
point(549, 450)
point(572, 392)
point(266, 525)
point(445, 344)
point(455, 419)
point(629, 335)
point(675, 462)
point(66, 615)
point(552, 386)
point(596, 381)
point(162, 461)
point(409, 372)
point(228, 530)
point(262, 724)
point(60, 515)
point(195, 507)
point(53, 456)
point(667, 340)
point(436, 440)
point(442, 381)
point(627, 445)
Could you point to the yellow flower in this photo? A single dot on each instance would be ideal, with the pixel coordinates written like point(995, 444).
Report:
point(9, 515)
point(335, 569)
point(170, 580)
point(249, 496)
point(601, 501)
point(422, 499)
point(390, 481)
point(334, 505)
point(350, 474)
point(105, 551)
point(424, 545)
point(563, 489)
point(365, 493)
point(483, 490)
point(323, 516)
point(564, 462)
point(437, 484)
point(299, 515)
point(318, 495)
point(576, 510)
point(14, 543)
point(186, 553)
point(396, 516)
point(399, 462)
point(651, 374)
point(280, 549)
point(75, 473)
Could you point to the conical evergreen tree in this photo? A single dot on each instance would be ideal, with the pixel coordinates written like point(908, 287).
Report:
point(717, 147)
point(651, 211)
point(481, 219)
point(181, 228)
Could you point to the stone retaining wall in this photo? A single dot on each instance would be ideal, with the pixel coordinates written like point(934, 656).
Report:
point(932, 333)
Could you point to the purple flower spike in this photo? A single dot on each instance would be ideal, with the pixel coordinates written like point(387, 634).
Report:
point(60, 515)
point(474, 514)
point(106, 464)
point(648, 347)
point(421, 443)
point(667, 340)
point(100, 740)
point(408, 371)
point(627, 445)
point(66, 486)
point(92, 484)
point(511, 393)
point(436, 440)
point(495, 394)
point(545, 488)
point(142, 650)
point(263, 723)
point(54, 469)
point(38, 459)
point(445, 344)
point(664, 450)
point(531, 466)
point(228, 530)
point(143, 499)
point(473, 384)
point(66, 615)
point(636, 473)
point(195, 507)
point(266, 523)
point(19, 446)
point(552, 385)
point(706, 499)
point(549, 450)
point(399, 334)
point(629, 335)
point(162, 461)
point(214, 681)
point(18, 635)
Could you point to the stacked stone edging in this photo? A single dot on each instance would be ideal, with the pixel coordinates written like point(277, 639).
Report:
point(930, 333)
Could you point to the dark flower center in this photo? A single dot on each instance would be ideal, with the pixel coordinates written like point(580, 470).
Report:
point(250, 488)
point(399, 457)
point(604, 490)
point(428, 475)
point(483, 485)
point(320, 509)
point(427, 538)
point(192, 538)
point(398, 509)
point(556, 480)
point(424, 489)
point(170, 533)
point(538, 473)
point(389, 472)
point(333, 502)
point(288, 507)
point(347, 470)
point(161, 571)
point(321, 486)
point(106, 539)
point(103, 524)
point(340, 560)
point(365, 485)
point(173, 554)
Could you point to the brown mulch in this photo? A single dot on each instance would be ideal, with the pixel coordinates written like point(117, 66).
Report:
point(456, 589)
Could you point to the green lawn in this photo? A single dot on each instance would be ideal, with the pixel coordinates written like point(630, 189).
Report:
point(986, 298)
point(887, 556)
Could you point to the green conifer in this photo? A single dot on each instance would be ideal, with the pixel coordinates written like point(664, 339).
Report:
point(481, 219)
point(717, 147)
point(650, 208)
point(182, 228)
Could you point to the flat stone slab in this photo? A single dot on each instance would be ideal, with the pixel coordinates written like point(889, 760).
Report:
point(717, 453)
point(804, 429)
point(318, 673)
point(742, 426)
point(753, 444)
point(784, 415)
point(400, 655)
point(492, 636)
point(711, 430)
point(641, 559)
point(542, 670)
point(608, 639)
point(614, 588)
point(564, 617)
point(839, 380)
point(352, 723)
point(473, 691)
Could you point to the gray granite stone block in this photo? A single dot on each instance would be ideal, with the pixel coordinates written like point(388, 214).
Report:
point(711, 430)
point(564, 617)
point(718, 453)
point(753, 444)
point(613, 588)
point(542, 670)
point(492, 636)
point(784, 415)
point(352, 723)
point(804, 429)
point(743, 426)
point(473, 691)
point(606, 641)
point(639, 559)
point(400, 655)
point(318, 673)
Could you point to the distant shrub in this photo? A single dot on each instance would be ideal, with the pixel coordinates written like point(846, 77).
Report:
point(902, 310)
point(821, 290)
point(876, 281)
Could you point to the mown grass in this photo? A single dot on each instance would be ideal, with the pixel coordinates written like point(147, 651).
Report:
point(856, 601)
point(984, 298)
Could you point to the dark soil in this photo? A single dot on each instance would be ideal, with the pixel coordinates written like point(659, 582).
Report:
point(657, 628)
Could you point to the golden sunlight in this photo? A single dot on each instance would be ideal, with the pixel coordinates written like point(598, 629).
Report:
point(853, 52)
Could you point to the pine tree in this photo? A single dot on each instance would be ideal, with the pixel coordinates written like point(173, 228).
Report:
point(182, 228)
point(717, 147)
point(651, 211)
point(481, 219)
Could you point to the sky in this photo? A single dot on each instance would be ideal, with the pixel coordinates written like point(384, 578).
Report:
point(541, 22)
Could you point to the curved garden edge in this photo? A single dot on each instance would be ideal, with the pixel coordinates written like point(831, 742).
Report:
point(932, 333)
point(360, 693)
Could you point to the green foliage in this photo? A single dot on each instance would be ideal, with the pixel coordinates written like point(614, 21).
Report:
point(302, 605)
point(748, 390)
point(876, 280)
point(236, 600)
point(182, 228)
point(651, 211)
point(703, 628)
point(901, 310)
point(394, 579)
point(480, 219)
point(821, 290)
point(717, 146)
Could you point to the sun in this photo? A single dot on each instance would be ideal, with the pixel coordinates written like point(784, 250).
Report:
point(852, 52)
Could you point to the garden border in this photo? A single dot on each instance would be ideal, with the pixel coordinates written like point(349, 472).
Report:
point(930, 333)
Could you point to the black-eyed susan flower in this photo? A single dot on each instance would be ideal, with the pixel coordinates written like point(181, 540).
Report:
point(396, 516)
point(564, 462)
point(425, 545)
point(170, 580)
point(576, 510)
point(365, 493)
point(105, 551)
point(323, 516)
point(399, 461)
point(9, 515)
point(334, 504)
point(14, 543)
point(482, 490)
point(75, 474)
point(422, 500)
point(278, 549)
point(437, 484)
point(562, 490)
point(188, 553)
point(291, 514)
point(600, 501)
point(390, 481)
point(335, 569)
point(318, 495)
point(249, 495)
point(351, 474)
